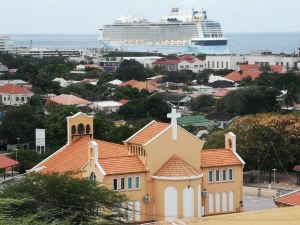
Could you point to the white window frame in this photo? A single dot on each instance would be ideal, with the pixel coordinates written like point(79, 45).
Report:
point(230, 169)
point(122, 189)
point(212, 178)
point(217, 181)
point(128, 183)
point(135, 183)
point(114, 184)
point(225, 175)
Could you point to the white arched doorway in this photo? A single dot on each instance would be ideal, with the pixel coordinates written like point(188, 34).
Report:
point(231, 201)
point(188, 202)
point(218, 202)
point(224, 202)
point(170, 203)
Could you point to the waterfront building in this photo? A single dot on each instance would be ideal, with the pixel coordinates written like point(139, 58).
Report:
point(45, 52)
point(5, 43)
point(181, 32)
point(162, 168)
point(14, 95)
point(183, 62)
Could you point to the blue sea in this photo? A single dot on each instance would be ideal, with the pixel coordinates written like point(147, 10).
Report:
point(238, 42)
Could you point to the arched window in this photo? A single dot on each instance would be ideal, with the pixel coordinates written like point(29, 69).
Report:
point(93, 176)
point(73, 129)
point(229, 143)
point(80, 129)
point(88, 129)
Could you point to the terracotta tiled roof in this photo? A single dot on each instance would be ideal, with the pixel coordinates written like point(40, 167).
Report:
point(292, 199)
point(218, 157)
point(149, 85)
point(176, 167)
point(7, 162)
point(147, 133)
point(246, 67)
point(277, 68)
point(239, 76)
point(123, 101)
point(68, 100)
point(221, 93)
point(13, 89)
point(75, 156)
point(167, 62)
point(122, 165)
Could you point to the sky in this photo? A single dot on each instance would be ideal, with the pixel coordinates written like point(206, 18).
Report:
point(86, 16)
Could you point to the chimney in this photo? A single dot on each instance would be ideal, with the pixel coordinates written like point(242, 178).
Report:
point(230, 141)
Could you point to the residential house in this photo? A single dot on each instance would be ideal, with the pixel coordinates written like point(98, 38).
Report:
point(14, 95)
point(68, 100)
point(162, 169)
point(174, 98)
point(223, 119)
point(183, 62)
point(150, 86)
point(107, 106)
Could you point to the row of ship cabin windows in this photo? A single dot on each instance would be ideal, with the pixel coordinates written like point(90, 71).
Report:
point(120, 184)
point(17, 99)
point(215, 175)
point(212, 65)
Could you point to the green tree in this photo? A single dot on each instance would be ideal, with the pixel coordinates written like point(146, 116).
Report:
point(56, 125)
point(58, 199)
point(20, 122)
point(251, 100)
point(130, 69)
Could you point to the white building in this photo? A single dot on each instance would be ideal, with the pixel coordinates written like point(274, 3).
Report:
point(45, 52)
point(14, 95)
point(107, 106)
point(5, 43)
point(262, 58)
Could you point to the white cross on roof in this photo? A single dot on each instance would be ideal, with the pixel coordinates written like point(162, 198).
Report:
point(173, 116)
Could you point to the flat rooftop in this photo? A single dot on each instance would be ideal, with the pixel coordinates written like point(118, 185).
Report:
point(278, 216)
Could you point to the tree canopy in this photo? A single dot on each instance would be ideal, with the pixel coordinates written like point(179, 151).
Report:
point(60, 199)
point(255, 133)
point(130, 69)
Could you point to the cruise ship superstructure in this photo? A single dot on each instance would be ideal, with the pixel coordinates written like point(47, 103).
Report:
point(178, 33)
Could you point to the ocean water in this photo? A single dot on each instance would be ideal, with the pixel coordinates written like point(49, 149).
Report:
point(237, 42)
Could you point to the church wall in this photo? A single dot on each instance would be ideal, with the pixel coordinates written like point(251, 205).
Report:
point(159, 187)
point(133, 195)
point(163, 147)
point(234, 186)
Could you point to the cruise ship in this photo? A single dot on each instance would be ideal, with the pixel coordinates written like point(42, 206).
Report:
point(181, 32)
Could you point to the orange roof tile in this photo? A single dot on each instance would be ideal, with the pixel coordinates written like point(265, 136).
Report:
point(122, 165)
point(246, 67)
point(13, 89)
point(277, 69)
point(177, 167)
point(6, 162)
point(75, 156)
point(219, 157)
point(292, 198)
point(149, 85)
point(68, 100)
point(239, 76)
point(147, 133)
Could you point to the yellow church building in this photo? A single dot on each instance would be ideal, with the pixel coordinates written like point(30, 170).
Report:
point(162, 168)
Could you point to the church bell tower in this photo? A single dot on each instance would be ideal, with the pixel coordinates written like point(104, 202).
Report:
point(80, 125)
